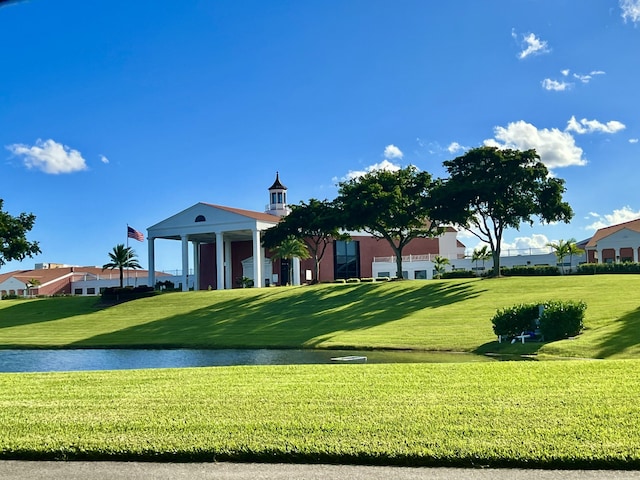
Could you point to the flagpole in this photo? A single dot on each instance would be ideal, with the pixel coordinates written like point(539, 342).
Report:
point(127, 251)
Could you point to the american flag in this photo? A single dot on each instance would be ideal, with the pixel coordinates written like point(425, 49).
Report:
point(135, 234)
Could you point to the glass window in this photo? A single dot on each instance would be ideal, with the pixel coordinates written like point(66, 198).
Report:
point(346, 259)
point(420, 275)
point(384, 274)
point(78, 291)
point(273, 197)
point(279, 197)
point(91, 291)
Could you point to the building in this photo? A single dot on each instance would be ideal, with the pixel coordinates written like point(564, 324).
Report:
point(222, 243)
point(49, 279)
point(616, 243)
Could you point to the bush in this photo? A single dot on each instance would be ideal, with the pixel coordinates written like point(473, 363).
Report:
point(558, 320)
point(10, 296)
point(600, 268)
point(512, 321)
point(562, 319)
point(459, 274)
point(117, 294)
point(535, 271)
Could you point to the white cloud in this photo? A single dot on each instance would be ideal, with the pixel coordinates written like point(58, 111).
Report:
point(587, 78)
point(565, 72)
point(391, 151)
point(556, 148)
point(104, 159)
point(532, 45)
point(590, 126)
point(624, 214)
point(455, 147)
point(556, 86)
point(383, 165)
point(49, 156)
point(633, 140)
point(630, 10)
point(526, 245)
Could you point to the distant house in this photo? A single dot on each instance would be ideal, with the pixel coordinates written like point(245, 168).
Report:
point(57, 279)
point(616, 243)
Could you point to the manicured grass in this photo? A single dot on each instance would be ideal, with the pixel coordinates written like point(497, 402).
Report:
point(444, 315)
point(543, 414)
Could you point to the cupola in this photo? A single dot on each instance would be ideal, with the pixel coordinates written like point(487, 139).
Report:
point(278, 199)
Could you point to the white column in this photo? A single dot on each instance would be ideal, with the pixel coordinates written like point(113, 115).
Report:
point(228, 266)
point(152, 262)
point(220, 261)
point(257, 259)
point(185, 263)
point(616, 255)
point(196, 266)
point(599, 253)
point(296, 271)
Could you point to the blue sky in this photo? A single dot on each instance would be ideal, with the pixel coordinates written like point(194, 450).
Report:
point(120, 112)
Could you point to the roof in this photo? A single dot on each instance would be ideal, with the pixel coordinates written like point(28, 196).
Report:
point(633, 225)
point(264, 217)
point(277, 185)
point(47, 275)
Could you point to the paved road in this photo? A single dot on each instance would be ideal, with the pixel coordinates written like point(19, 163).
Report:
point(253, 471)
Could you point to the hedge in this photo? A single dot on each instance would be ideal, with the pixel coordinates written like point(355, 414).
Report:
point(558, 319)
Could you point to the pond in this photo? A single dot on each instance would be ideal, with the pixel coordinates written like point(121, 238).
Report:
point(57, 360)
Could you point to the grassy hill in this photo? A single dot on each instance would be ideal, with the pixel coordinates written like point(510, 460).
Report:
point(431, 315)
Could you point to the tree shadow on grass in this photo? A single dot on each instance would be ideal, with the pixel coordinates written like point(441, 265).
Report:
point(284, 318)
point(626, 336)
point(26, 312)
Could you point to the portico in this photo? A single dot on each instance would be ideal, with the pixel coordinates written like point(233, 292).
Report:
point(221, 238)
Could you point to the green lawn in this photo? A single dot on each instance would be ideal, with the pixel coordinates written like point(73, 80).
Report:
point(543, 414)
point(432, 315)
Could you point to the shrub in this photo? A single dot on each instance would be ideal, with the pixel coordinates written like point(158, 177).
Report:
point(599, 268)
point(558, 319)
point(542, 270)
point(562, 319)
point(512, 321)
point(459, 274)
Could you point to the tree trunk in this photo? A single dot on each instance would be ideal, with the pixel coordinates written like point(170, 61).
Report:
point(121, 277)
point(496, 263)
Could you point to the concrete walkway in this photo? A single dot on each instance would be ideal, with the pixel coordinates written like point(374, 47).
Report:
point(255, 471)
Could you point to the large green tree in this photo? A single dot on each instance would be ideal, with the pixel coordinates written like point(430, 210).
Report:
point(122, 257)
point(13, 236)
point(491, 189)
point(289, 248)
point(391, 205)
point(316, 223)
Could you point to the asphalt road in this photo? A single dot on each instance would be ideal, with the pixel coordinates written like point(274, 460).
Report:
point(253, 471)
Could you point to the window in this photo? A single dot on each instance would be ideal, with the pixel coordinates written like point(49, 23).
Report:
point(384, 274)
point(102, 289)
point(77, 291)
point(273, 197)
point(279, 197)
point(91, 291)
point(200, 218)
point(420, 275)
point(346, 259)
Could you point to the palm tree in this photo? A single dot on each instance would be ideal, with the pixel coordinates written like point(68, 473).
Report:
point(480, 254)
point(32, 282)
point(439, 265)
point(561, 249)
point(291, 247)
point(574, 249)
point(122, 257)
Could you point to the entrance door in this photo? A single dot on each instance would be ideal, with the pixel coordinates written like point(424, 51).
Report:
point(284, 271)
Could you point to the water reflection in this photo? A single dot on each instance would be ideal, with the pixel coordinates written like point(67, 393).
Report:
point(122, 359)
